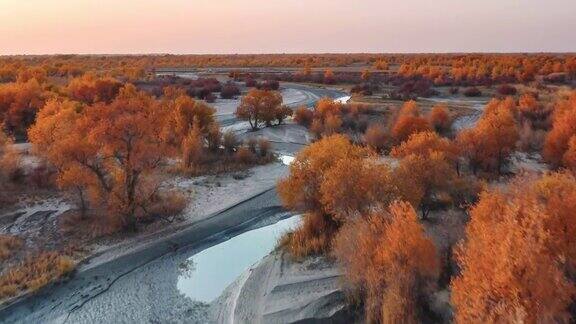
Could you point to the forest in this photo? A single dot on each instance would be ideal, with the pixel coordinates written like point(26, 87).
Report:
point(443, 189)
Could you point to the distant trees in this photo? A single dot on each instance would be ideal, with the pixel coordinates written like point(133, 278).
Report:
point(229, 91)
point(260, 106)
point(330, 117)
point(381, 65)
point(90, 89)
point(329, 77)
point(19, 103)
point(472, 92)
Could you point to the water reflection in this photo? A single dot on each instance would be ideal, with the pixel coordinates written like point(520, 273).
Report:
point(215, 268)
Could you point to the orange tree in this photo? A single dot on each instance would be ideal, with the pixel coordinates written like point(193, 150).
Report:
point(489, 144)
point(390, 261)
point(519, 243)
point(259, 106)
point(563, 129)
point(113, 151)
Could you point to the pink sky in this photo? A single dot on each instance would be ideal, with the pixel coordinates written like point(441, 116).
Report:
point(285, 26)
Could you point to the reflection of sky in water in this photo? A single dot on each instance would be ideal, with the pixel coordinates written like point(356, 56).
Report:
point(286, 159)
point(205, 275)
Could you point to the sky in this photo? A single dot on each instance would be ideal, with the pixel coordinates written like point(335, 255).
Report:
point(285, 26)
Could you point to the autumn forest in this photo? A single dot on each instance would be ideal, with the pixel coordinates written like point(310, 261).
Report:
point(427, 188)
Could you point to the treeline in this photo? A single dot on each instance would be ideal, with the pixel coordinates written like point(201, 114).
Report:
point(460, 66)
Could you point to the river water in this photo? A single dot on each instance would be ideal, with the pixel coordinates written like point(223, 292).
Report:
point(205, 275)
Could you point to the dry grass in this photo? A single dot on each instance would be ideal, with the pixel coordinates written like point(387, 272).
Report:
point(169, 206)
point(8, 245)
point(313, 237)
point(34, 273)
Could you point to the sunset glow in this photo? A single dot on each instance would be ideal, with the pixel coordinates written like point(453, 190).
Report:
point(279, 26)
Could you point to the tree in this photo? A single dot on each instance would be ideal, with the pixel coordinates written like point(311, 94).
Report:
point(408, 122)
point(259, 106)
point(301, 189)
point(90, 89)
point(366, 74)
point(19, 103)
point(183, 113)
point(282, 113)
point(388, 257)
point(332, 125)
point(113, 150)
point(491, 142)
point(329, 76)
point(377, 137)
point(557, 193)
point(57, 137)
point(425, 180)
point(381, 65)
point(563, 128)
point(193, 146)
point(407, 125)
point(409, 108)
point(355, 187)
point(440, 119)
point(507, 273)
point(424, 144)
point(9, 160)
point(303, 116)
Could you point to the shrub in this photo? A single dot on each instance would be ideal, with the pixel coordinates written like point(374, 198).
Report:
point(440, 119)
point(230, 142)
point(250, 83)
point(244, 155)
point(303, 116)
point(282, 113)
point(169, 205)
point(377, 137)
point(269, 85)
point(229, 91)
point(210, 97)
point(42, 176)
point(506, 90)
point(313, 237)
point(407, 125)
point(264, 146)
point(472, 92)
point(34, 273)
point(8, 246)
